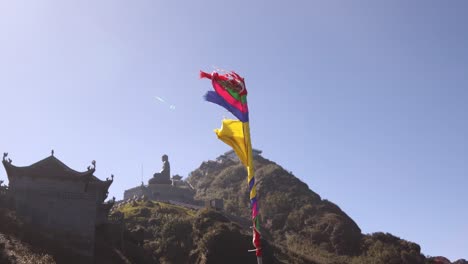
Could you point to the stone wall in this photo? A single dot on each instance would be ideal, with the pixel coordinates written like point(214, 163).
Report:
point(136, 191)
point(162, 192)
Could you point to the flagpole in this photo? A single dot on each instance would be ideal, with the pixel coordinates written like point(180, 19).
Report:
point(253, 189)
point(230, 93)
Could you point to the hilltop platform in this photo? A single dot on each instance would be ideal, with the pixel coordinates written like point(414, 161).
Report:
point(163, 192)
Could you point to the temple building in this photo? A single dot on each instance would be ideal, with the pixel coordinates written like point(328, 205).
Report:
point(231, 155)
point(62, 203)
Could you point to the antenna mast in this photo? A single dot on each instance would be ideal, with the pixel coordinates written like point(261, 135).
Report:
point(142, 173)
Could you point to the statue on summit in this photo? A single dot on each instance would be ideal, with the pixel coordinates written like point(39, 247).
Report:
point(162, 177)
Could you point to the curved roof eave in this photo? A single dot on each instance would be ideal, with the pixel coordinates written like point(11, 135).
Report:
point(50, 164)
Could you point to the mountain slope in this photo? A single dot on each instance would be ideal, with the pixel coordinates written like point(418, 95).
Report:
point(296, 218)
point(289, 210)
point(158, 232)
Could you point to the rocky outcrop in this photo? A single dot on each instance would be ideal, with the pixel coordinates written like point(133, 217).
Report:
point(439, 260)
point(290, 210)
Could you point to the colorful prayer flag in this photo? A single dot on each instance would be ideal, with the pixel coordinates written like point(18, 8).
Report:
point(230, 92)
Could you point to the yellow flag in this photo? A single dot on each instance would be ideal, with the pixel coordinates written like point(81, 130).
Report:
point(236, 134)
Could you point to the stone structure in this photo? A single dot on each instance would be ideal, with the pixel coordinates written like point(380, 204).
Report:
point(177, 180)
point(163, 192)
point(162, 188)
point(233, 156)
point(217, 204)
point(162, 177)
point(63, 204)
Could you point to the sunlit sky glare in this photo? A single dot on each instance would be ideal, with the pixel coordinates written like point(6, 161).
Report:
point(365, 101)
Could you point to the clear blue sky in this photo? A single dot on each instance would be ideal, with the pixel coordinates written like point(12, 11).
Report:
point(365, 101)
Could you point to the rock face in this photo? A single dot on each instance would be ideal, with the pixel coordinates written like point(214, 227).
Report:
point(444, 260)
point(386, 248)
point(440, 260)
point(290, 211)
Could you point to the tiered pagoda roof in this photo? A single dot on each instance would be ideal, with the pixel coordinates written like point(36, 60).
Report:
point(53, 168)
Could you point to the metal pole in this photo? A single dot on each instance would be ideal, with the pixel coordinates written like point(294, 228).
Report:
point(259, 260)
